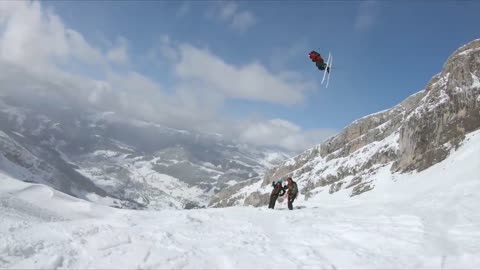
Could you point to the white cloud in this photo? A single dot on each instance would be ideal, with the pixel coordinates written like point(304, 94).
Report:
point(252, 82)
point(167, 49)
point(279, 132)
point(135, 82)
point(33, 37)
point(36, 40)
point(35, 46)
point(164, 52)
point(243, 20)
point(229, 12)
point(366, 16)
point(118, 54)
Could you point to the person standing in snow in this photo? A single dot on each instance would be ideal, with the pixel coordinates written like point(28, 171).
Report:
point(292, 192)
point(278, 190)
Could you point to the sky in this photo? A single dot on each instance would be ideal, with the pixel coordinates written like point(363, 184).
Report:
point(239, 68)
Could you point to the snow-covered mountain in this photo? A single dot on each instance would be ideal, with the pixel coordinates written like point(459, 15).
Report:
point(425, 220)
point(411, 137)
point(104, 157)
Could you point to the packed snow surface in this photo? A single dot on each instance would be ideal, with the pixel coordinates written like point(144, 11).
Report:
point(428, 219)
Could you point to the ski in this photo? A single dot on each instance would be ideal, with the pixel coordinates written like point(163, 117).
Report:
point(325, 73)
point(329, 67)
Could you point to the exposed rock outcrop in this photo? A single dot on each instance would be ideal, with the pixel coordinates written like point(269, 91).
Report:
point(450, 109)
point(225, 197)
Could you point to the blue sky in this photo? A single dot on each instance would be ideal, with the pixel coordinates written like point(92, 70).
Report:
point(399, 47)
point(383, 52)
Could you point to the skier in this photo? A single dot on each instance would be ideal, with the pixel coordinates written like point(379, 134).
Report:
point(278, 190)
point(319, 62)
point(292, 192)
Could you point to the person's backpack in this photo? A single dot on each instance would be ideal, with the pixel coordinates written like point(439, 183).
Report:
point(294, 190)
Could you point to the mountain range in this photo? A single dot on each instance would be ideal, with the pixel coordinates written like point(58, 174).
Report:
point(107, 158)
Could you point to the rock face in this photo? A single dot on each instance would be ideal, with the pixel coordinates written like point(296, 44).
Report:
point(412, 136)
point(224, 198)
point(449, 110)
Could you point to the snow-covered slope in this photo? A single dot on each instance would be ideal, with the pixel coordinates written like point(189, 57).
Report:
point(39, 165)
point(411, 137)
point(425, 220)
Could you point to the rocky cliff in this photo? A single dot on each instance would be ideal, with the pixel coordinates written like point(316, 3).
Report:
point(410, 137)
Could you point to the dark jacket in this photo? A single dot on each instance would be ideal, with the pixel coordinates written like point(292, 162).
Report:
point(278, 190)
point(292, 190)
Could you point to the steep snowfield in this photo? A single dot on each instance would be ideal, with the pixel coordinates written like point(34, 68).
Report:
point(418, 220)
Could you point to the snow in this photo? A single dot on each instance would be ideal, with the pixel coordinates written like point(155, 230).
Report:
point(28, 170)
point(106, 153)
point(170, 185)
point(419, 220)
point(443, 99)
point(122, 146)
point(142, 123)
point(4, 135)
point(205, 169)
point(100, 200)
point(469, 51)
point(370, 116)
point(158, 191)
point(364, 154)
point(272, 157)
point(18, 134)
point(216, 177)
point(290, 162)
point(231, 182)
point(476, 81)
point(323, 169)
point(209, 165)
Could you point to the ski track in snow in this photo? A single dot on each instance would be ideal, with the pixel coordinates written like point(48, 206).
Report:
point(433, 223)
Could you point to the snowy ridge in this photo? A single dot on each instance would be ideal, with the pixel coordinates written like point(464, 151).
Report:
point(16, 159)
point(431, 226)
